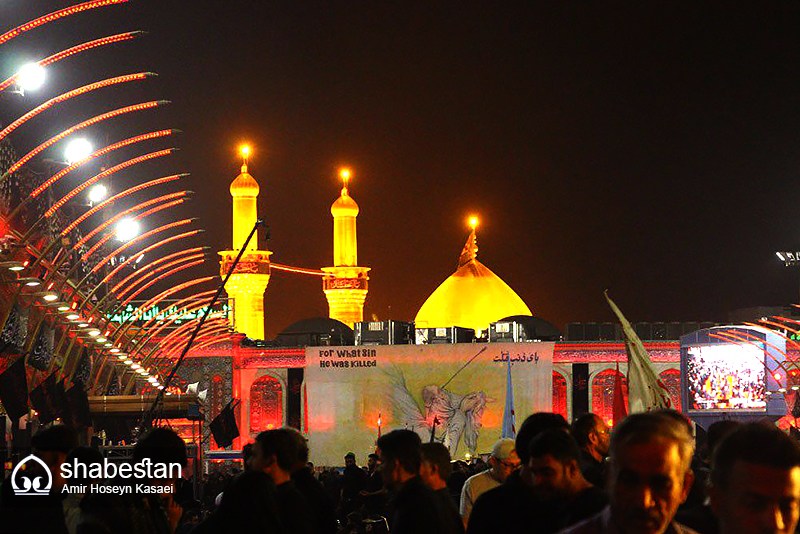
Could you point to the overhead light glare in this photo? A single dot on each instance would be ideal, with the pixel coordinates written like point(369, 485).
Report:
point(127, 229)
point(77, 150)
point(31, 77)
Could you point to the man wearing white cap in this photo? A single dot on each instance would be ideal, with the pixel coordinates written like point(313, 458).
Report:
point(503, 462)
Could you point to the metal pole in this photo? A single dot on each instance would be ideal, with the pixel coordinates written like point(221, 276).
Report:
point(147, 417)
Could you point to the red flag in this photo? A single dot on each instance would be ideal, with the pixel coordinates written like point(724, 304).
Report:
point(620, 409)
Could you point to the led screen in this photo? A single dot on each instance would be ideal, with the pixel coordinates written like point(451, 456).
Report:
point(725, 377)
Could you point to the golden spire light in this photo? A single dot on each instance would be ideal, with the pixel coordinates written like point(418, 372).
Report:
point(344, 174)
point(245, 150)
point(473, 222)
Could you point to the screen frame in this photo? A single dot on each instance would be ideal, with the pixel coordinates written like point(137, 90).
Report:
point(760, 345)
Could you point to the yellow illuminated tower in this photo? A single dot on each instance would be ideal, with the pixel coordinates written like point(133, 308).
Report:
point(345, 284)
point(249, 281)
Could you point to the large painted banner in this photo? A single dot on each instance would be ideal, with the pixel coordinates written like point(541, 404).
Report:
point(354, 393)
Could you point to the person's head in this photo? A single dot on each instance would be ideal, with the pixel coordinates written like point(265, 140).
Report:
point(162, 445)
point(301, 448)
point(554, 459)
point(85, 456)
point(247, 456)
point(400, 456)
point(349, 459)
point(248, 505)
point(533, 425)
point(504, 459)
point(435, 467)
point(52, 445)
point(755, 481)
point(650, 474)
point(372, 461)
point(592, 435)
point(717, 431)
point(275, 452)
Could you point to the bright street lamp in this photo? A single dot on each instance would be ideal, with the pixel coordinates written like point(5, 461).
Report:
point(790, 259)
point(31, 77)
point(127, 229)
point(97, 193)
point(77, 150)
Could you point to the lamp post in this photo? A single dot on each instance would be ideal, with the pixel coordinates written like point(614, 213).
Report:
point(789, 259)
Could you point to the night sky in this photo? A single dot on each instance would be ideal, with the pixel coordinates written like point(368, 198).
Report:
point(652, 148)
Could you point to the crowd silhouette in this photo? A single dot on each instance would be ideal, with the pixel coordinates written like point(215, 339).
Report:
point(644, 477)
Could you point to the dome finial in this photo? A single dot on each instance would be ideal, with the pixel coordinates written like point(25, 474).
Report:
point(344, 174)
point(245, 150)
point(470, 251)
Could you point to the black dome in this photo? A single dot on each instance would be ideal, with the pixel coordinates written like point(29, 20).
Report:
point(316, 331)
point(535, 327)
point(317, 325)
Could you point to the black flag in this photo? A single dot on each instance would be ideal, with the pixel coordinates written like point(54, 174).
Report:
point(46, 399)
point(14, 389)
point(79, 406)
point(13, 334)
point(63, 406)
point(42, 352)
point(700, 437)
point(224, 428)
point(84, 368)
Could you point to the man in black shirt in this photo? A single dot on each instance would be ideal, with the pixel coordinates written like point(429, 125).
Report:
point(415, 508)
point(275, 453)
point(374, 492)
point(322, 510)
point(353, 481)
point(434, 471)
point(593, 437)
point(755, 481)
point(22, 513)
point(513, 507)
point(557, 481)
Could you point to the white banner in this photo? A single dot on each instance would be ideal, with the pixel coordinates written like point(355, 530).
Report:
point(355, 392)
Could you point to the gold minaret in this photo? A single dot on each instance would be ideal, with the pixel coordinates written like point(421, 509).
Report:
point(345, 284)
point(247, 284)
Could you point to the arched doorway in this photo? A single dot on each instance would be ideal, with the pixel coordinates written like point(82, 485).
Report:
point(671, 378)
point(603, 394)
point(266, 404)
point(560, 394)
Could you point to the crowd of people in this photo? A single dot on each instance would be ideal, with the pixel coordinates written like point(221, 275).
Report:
point(644, 477)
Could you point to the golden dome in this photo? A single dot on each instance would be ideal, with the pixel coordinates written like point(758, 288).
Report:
point(472, 297)
point(344, 206)
point(244, 185)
